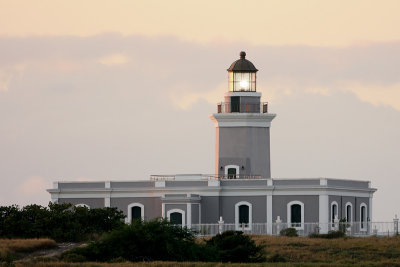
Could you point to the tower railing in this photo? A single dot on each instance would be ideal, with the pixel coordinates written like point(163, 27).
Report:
point(227, 107)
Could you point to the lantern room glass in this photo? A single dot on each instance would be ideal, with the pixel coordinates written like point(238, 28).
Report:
point(242, 81)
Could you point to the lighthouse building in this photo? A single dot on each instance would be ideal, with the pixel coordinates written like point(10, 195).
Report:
point(240, 194)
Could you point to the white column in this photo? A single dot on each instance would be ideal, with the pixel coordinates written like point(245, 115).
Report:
point(269, 214)
point(107, 201)
point(163, 210)
point(369, 223)
point(189, 215)
point(323, 213)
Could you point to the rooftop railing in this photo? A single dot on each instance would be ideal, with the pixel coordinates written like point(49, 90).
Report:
point(227, 107)
point(205, 177)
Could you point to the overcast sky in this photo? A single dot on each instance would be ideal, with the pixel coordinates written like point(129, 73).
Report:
point(120, 90)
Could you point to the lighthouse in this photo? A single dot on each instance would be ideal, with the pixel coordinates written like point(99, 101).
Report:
point(242, 125)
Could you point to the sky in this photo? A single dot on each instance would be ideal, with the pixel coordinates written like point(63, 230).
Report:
point(118, 90)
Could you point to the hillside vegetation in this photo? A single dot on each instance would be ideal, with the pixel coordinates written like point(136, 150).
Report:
point(282, 251)
point(61, 222)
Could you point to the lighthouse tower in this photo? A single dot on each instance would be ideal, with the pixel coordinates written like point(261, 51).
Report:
point(242, 126)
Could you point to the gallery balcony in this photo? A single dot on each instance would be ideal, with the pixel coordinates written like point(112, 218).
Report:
point(227, 107)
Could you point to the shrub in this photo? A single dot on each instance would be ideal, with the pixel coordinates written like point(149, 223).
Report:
point(234, 246)
point(277, 258)
point(73, 257)
point(146, 241)
point(62, 222)
point(288, 232)
point(329, 235)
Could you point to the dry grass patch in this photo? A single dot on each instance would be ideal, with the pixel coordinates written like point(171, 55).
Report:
point(14, 246)
point(341, 250)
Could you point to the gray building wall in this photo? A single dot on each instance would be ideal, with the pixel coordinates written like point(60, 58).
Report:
point(244, 146)
point(351, 184)
point(294, 182)
point(311, 207)
point(93, 203)
point(195, 213)
point(259, 208)
point(175, 206)
point(135, 184)
point(244, 183)
point(81, 185)
point(152, 205)
point(210, 209)
point(186, 183)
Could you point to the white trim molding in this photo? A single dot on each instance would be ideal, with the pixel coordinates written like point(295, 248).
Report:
point(227, 167)
point(237, 205)
point(241, 93)
point(130, 206)
point(81, 205)
point(363, 223)
point(351, 212)
point(178, 211)
point(289, 214)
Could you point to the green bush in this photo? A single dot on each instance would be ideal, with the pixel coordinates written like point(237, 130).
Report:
point(329, 235)
point(288, 232)
point(277, 258)
point(62, 222)
point(234, 246)
point(146, 241)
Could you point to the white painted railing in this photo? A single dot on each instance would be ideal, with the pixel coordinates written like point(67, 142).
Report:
point(303, 229)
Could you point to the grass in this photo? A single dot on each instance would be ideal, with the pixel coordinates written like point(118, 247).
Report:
point(281, 251)
point(10, 248)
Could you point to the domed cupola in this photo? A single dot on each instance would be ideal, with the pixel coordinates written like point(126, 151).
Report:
point(242, 75)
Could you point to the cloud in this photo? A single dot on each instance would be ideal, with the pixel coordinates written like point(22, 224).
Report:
point(183, 97)
point(33, 185)
point(114, 59)
point(7, 74)
point(376, 94)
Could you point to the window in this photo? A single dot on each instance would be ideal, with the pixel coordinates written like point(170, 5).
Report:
point(135, 211)
point(295, 215)
point(243, 215)
point(349, 212)
point(363, 217)
point(235, 104)
point(334, 212)
point(295, 218)
point(231, 171)
point(176, 216)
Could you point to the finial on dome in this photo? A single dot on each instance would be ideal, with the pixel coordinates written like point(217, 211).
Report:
point(242, 55)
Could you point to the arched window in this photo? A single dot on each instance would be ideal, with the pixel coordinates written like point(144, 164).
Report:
point(176, 216)
point(363, 217)
point(135, 211)
point(334, 212)
point(83, 206)
point(349, 212)
point(295, 215)
point(232, 171)
point(243, 215)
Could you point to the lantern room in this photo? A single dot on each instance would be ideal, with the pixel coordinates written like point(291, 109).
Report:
point(242, 75)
